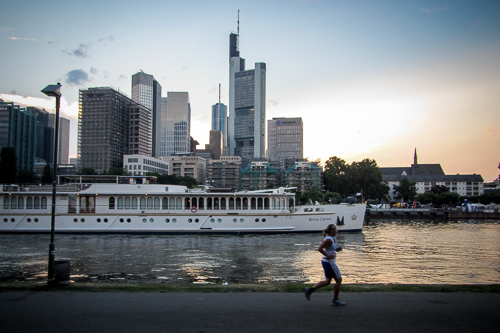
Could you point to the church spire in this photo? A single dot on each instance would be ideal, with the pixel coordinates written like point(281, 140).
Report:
point(415, 157)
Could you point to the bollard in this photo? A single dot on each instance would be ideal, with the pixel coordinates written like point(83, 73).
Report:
point(62, 271)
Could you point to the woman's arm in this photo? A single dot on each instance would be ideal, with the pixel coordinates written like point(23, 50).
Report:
point(323, 245)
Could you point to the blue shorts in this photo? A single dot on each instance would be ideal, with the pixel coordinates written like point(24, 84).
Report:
point(331, 269)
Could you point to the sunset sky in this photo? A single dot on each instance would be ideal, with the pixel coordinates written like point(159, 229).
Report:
point(370, 79)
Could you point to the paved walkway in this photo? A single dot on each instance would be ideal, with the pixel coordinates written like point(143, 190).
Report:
point(247, 312)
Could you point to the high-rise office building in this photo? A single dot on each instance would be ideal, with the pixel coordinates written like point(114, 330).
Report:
point(175, 124)
point(63, 144)
point(44, 135)
point(219, 120)
point(110, 125)
point(247, 106)
point(285, 139)
point(18, 130)
point(147, 92)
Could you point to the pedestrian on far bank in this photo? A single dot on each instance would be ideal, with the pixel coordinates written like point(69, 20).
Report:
point(328, 248)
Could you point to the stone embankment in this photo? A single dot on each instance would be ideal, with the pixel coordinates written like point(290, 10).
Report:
point(429, 213)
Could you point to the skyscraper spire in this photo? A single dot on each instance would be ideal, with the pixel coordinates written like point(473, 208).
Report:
point(238, 33)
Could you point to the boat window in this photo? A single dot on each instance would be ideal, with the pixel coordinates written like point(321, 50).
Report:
point(253, 203)
point(127, 203)
point(20, 203)
point(134, 203)
point(43, 203)
point(157, 203)
point(290, 203)
point(29, 203)
point(238, 203)
point(245, 203)
point(260, 204)
point(209, 203)
point(13, 203)
point(308, 209)
point(320, 209)
point(201, 203)
point(111, 203)
point(36, 203)
point(223, 203)
point(283, 206)
point(278, 203)
point(120, 203)
point(6, 202)
point(172, 203)
point(216, 203)
point(231, 203)
point(164, 203)
point(187, 203)
point(266, 204)
point(194, 202)
point(142, 203)
point(273, 203)
point(91, 204)
point(178, 204)
point(150, 203)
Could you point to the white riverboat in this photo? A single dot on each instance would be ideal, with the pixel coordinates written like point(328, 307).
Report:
point(155, 208)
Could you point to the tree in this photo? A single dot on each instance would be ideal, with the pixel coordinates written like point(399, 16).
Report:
point(438, 189)
point(27, 177)
point(366, 177)
point(87, 171)
point(117, 172)
point(335, 176)
point(332, 197)
point(406, 189)
point(8, 165)
point(47, 174)
point(313, 194)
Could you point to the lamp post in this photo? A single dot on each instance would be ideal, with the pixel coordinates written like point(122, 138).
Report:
point(53, 90)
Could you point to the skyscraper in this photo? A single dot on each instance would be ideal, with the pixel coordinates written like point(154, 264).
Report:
point(111, 125)
point(175, 124)
point(247, 106)
point(219, 120)
point(63, 144)
point(285, 139)
point(147, 92)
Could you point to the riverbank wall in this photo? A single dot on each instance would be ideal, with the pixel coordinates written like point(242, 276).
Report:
point(429, 213)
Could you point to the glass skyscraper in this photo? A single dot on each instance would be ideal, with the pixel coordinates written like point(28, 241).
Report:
point(147, 92)
point(247, 107)
point(219, 120)
point(175, 124)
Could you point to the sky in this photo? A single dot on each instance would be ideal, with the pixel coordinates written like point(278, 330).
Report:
point(371, 79)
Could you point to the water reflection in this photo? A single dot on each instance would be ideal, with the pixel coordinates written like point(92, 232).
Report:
point(387, 251)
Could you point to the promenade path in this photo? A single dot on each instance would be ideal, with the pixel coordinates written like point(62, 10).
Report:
point(247, 312)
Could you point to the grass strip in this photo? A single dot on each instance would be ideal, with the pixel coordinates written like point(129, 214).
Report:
point(209, 288)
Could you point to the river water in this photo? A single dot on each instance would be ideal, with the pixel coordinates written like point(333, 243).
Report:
point(386, 251)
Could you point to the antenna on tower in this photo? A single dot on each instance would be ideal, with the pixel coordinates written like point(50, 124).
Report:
point(238, 33)
point(218, 113)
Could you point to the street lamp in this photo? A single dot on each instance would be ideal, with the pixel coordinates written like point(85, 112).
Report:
point(53, 90)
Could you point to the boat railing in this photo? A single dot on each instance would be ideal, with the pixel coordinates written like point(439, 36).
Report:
point(44, 188)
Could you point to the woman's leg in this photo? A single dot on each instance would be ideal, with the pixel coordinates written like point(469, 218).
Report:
point(336, 289)
point(323, 283)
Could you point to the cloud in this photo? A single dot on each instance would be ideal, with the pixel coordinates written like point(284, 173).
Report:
point(21, 38)
point(492, 130)
point(272, 102)
point(6, 29)
point(93, 71)
point(107, 39)
point(81, 51)
point(122, 77)
point(77, 77)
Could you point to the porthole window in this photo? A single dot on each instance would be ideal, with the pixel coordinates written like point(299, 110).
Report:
point(256, 220)
point(29, 220)
point(6, 220)
point(36, 220)
point(105, 220)
point(12, 220)
point(263, 220)
point(121, 220)
point(219, 220)
point(83, 220)
point(242, 220)
point(190, 220)
point(167, 220)
point(144, 220)
point(151, 220)
point(174, 220)
point(75, 220)
point(99, 220)
point(197, 220)
point(235, 220)
point(129, 220)
point(212, 220)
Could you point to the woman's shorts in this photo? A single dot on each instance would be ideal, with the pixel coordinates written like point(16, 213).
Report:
point(331, 269)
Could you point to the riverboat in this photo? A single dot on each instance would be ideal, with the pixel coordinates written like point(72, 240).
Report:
point(155, 208)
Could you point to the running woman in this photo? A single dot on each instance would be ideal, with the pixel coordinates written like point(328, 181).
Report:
point(328, 248)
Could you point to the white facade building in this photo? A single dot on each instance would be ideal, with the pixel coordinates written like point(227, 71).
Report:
point(140, 165)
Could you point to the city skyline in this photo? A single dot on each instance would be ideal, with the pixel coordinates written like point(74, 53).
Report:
point(370, 79)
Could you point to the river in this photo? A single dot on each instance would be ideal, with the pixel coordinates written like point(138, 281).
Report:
point(386, 251)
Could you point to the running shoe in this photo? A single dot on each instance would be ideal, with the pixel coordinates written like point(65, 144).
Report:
point(338, 303)
point(309, 291)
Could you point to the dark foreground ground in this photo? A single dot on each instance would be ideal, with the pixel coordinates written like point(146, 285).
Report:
point(68, 311)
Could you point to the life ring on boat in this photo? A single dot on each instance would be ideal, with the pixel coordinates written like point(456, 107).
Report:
point(193, 209)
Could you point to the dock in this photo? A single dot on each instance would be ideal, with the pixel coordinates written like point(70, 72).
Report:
point(428, 213)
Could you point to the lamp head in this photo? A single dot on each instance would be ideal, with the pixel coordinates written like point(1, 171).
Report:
point(53, 90)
